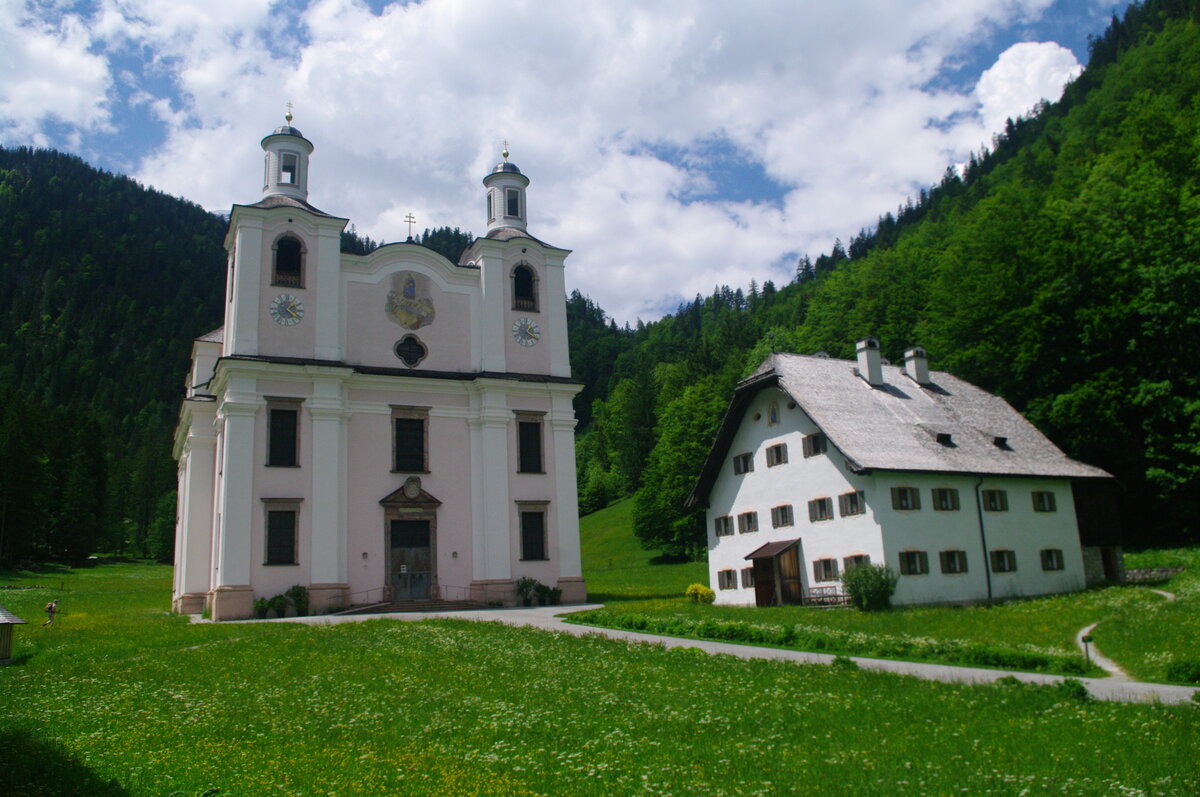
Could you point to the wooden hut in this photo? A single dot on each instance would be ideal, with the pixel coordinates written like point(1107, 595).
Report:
point(7, 621)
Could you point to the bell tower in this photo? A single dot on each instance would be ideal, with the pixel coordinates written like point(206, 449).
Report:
point(506, 195)
point(285, 169)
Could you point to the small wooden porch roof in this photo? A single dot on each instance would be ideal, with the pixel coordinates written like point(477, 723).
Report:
point(772, 549)
point(8, 618)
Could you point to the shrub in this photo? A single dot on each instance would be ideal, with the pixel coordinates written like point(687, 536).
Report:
point(279, 603)
point(260, 607)
point(298, 595)
point(870, 587)
point(698, 593)
point(843, 664)
point(1072, 689)
point(1185, 671)
point(526, 587)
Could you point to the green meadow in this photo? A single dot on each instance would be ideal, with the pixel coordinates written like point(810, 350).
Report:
point(120, 697)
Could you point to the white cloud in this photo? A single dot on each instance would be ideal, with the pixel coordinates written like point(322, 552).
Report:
point(47, 74)
point(1023, 75)
point(408, 110)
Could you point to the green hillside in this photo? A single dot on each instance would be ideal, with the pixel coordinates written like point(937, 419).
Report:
point(616, 567)
point(1060, 270)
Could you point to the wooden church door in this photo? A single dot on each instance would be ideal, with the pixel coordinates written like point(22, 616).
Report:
point(410, 561)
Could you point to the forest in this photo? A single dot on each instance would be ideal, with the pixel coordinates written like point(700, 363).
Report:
point(1059, 269)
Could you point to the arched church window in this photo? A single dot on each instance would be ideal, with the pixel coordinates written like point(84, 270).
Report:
point(289, 263)
point(524, 288)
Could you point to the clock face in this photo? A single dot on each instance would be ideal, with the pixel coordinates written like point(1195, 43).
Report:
point(287, 310)
point(526, 332)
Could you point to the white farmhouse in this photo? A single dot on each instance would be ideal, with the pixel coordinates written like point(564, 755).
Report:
point(384, 427)
point(822, 465)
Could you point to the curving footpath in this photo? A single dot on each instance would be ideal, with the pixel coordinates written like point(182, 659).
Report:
point(547, 618)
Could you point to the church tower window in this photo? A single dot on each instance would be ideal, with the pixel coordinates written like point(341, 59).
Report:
point(513, 200)
point(289, 263)
point(288, 167)
point(283, 434)
point(524, 288)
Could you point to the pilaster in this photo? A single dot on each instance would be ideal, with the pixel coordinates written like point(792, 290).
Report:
point(327, 409)
point(327, 278)
point(237, 501)
point(566, 499)
point(491, 507)
point(241, 335)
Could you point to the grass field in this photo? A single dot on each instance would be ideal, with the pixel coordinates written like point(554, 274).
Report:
point(1139, 629)
point(119, 697)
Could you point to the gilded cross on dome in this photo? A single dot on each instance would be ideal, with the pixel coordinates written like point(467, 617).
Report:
point(411, 219)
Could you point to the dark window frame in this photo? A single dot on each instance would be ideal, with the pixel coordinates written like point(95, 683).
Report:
point(825, 569)
point(820, 510)
point(940, 502)
point(1044, 501)
point(906, 494)
point(283, 446)
point(292, 275)
point(530, 538)
point(852, 503)
point(409, 415)
point(994, 500)
point(782, 516)
point(1052, 559)
point(531, 454)
point(747, 522)
point(726, 579)
point(777, 455)
point(1003, 560)
point(953, 561)
point(723, 526)
point(855, 561)
point(524, 283)
point(277, 552)
point(914, 563)
point(743, 463)
point(815, 444)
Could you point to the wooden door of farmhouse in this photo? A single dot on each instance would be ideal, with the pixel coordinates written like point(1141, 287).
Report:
point(791, 589)
point(410, 560)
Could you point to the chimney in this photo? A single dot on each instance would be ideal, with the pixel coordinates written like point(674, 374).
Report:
point(870, 367)
point(916, 365)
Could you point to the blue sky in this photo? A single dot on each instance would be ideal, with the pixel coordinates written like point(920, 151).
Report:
point(674, 145)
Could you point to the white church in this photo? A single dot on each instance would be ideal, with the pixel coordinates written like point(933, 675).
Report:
point(384, 427)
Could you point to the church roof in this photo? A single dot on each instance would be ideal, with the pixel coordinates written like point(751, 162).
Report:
point(947, 426)
point(281, 201)
point(215, 336)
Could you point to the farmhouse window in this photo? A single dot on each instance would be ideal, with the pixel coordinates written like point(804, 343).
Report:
point(723, 526)
point(777, 455)
point(825, 570)
point(820, 509)
point(747, 577)
point(1043, 501)
point(747, 522)
point(854, 503)
point(914, 563)
point(782, 516)
point(854, 562)
point(743, 463)
point(1052, 559)
point(1004, 561)
point(283, 434)
point(953, 561)
point(995, 500)
point(906, 498)
point(814, 444)
point(726, 579)
point(945, 499)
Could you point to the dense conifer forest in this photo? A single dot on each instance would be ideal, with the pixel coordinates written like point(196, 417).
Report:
point(1060, 269)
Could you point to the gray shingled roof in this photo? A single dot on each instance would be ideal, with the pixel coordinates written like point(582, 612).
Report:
point(8, 618)
point(216, 336)
point(896, 426)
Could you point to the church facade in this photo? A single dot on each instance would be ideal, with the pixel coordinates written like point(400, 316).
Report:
point(378, 427)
